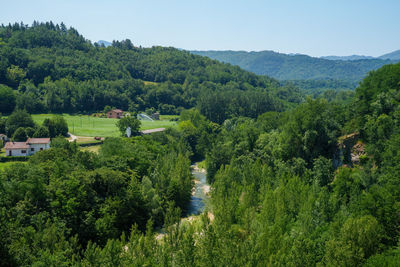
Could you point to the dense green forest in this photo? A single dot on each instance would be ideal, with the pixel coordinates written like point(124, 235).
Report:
point(52, 68)
point(277, 198)
point(346, 58)
point(309, 71)
point(317, 87)
point(316, 184)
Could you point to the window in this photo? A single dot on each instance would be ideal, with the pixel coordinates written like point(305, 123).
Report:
point(23, 151)
point(32, 149)
point(41, 148)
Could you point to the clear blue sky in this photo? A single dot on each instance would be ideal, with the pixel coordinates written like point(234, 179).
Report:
point(313, 27)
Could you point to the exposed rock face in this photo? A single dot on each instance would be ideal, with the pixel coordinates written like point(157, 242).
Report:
point(356, 152)
point(348, 151)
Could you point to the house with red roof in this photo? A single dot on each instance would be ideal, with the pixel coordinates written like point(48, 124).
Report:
point(28, 148)
point(115, 113)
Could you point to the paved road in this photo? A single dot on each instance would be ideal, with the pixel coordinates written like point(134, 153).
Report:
point(73, 137)
point(156, 130)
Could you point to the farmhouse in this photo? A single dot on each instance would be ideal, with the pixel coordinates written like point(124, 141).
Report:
point(115, 114)
point(28, 148)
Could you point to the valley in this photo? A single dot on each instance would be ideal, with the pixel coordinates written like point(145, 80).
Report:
point(283, 160)
point(84, 125)
point(330, 72)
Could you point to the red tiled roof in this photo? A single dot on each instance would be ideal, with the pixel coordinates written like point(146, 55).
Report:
point(38, 141)
point(16, 145)
point(117, 110)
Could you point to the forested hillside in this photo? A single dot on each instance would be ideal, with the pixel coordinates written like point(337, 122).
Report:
point(352, 57)
point(316, 87)
point(299, 67)
point(317, 184)
point(395, 55)
point(52, 68)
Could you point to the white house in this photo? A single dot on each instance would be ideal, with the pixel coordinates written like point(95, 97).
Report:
point(30, 147)
point(38, 144)
point(16, 149)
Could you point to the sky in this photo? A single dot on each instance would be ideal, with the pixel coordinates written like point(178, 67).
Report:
point(312, 27)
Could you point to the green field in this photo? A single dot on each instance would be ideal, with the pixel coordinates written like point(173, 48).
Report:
point(168, 117)
point(83, 125)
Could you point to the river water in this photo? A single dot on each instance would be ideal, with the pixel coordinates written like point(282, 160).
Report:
point(200, 192)
point(198, 200)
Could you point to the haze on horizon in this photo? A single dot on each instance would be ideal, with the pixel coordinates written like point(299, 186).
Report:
point(312, 27)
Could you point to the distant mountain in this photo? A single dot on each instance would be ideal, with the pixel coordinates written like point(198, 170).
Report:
point(297, 67)
point(392, 56)
point(395, 56)
point(104, 42)
point(345, 58)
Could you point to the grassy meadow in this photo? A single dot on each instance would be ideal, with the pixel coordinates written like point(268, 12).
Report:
point(83, 125)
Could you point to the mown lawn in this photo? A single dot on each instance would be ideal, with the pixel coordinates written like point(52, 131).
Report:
point(83, 125)
point(168, 117)
point(146, 125)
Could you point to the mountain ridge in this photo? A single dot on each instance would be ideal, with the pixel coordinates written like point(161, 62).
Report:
point(297, 67)
point(395, 55)
point(345, 58)
point(105, 43)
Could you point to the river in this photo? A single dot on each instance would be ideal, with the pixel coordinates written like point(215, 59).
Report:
point(199, 198)
point(199, 193)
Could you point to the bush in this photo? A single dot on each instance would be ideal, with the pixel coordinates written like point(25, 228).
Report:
point(7, 99)
point(20, 135)
point(57, 126)
point(126, 122)
point(29, 131)
point(14, 158)
point(17, 119)
point(41, 132)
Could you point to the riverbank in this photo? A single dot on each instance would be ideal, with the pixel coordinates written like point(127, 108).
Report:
point(200, 192)
point(199, 200)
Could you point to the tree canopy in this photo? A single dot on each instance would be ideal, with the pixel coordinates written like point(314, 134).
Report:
point(316, 184)
point(55, 69)
point(128, 122)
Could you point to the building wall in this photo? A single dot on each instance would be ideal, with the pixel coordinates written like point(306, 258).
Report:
point(37, 147)
point(28, 151)
point(114, 115)
point(17, 152)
